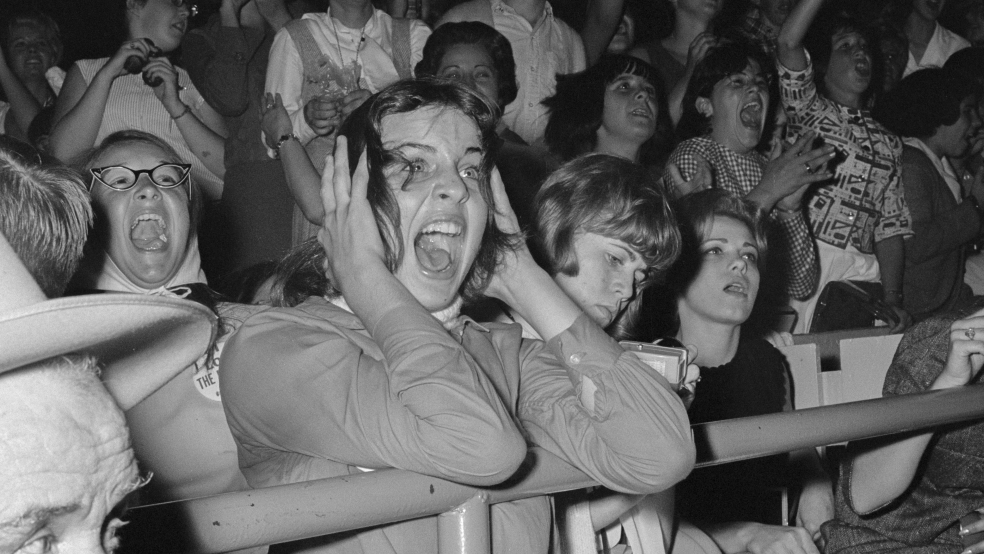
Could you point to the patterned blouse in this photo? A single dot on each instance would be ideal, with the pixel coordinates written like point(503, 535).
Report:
point(790, 245)
point(865, 203)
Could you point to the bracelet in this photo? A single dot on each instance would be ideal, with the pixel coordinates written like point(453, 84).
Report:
point(285, 138)
point(183, 113)
point(782, 214)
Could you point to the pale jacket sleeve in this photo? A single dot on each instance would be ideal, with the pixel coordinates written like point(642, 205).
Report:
point(300, 384)
point(588, 401)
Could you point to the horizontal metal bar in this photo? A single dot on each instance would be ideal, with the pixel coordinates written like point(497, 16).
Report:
point(732, 440)
point(301, 510)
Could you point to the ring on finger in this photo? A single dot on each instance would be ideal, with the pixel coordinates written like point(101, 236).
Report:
point(808, 168)
point(970, 333)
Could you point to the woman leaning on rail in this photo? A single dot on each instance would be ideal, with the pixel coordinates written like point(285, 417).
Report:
point(376, 368)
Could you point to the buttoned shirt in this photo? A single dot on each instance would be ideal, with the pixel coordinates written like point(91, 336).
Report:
point(941, 46)
point(541, 52)
point(738, 174)
point(864, 203)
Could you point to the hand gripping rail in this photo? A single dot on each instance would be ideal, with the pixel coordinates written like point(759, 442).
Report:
point(290, 512)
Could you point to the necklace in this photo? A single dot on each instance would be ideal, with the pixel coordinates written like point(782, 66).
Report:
point(358, 48)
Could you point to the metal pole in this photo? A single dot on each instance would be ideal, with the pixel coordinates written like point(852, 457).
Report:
point(465, 529)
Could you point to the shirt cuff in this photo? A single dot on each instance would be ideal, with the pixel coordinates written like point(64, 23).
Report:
point(585, 348)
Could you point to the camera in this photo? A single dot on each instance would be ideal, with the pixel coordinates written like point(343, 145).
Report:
point(668, 361)
point(135, 63)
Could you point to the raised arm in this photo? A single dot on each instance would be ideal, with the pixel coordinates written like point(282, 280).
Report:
point(303, 179)
point(217, 56)
point(79, 109)
point(791, 53)
point(600, 22)
point(202, 129)
point(408, 397)
point(881, 470)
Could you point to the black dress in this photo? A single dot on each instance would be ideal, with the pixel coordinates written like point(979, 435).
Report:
point(752, 383)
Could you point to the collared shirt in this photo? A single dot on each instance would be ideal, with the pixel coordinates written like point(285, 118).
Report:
point(541, 52)
point(285, 72)
point(309, 394)
point(865, 202)
point(941, 46)
point(739, 174)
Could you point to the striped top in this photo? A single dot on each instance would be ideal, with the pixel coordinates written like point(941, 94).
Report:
point(132, 105)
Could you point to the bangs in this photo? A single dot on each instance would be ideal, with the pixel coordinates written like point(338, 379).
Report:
point(643, 225)
point(628, 65)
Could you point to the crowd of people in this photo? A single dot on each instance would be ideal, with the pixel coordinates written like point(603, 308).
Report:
point(292, 240)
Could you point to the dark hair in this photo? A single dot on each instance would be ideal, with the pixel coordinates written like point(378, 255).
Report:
point(241, 285)
point(41, 20)
point(966, 64)
point(449, 35)
point(577, 108)
point(363, 129)
point(697, 212)
point(924, 101)
point(819, 42)
point(608, 196)
point(720, 63)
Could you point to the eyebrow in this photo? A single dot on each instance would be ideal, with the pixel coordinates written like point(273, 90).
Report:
point(632, 255)
point(713, 239)
point(431, 149)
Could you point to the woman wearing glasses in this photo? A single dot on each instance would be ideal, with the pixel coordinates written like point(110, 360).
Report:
point(139, 88)
point(144, 242)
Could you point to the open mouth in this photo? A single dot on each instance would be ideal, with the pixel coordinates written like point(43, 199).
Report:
point(736, 288)
point(149, 232)
point(751, 115)
point(642, 112)
point(438, 246)
point(863, 68)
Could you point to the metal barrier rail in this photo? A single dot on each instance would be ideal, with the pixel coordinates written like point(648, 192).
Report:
point(301, 510)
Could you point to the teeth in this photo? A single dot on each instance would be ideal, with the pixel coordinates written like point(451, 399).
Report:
point(149, 217)
point(735, 287)
point(163, 237)
point(443, 227)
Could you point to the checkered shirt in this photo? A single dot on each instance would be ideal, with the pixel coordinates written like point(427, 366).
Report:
point(791, 247)
point(865, 202)
point(756, 30)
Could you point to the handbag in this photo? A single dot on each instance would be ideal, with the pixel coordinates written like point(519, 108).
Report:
point(851, 305)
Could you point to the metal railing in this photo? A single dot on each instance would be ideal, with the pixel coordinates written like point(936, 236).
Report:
point(297, 511)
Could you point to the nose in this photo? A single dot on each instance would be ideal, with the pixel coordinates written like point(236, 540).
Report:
point(623, 286)
point(739, 264)
point(469, 81)
point(451, 187)
point(642, 93)
point(145, 189)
